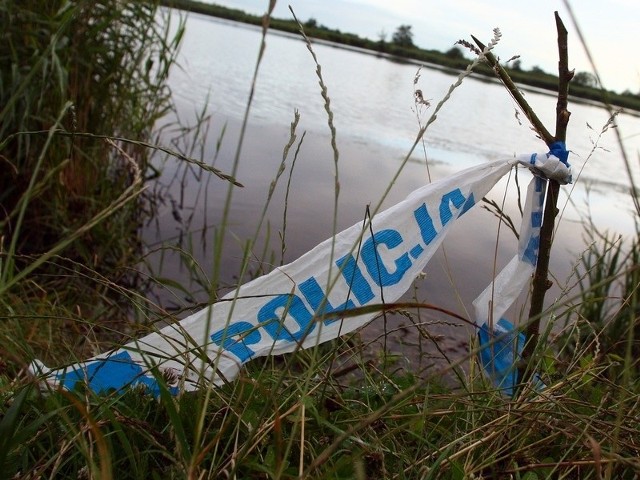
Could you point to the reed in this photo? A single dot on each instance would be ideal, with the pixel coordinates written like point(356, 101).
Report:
point(78, 79)
point(97, 67)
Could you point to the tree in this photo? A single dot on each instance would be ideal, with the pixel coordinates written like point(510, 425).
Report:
point(403, 36)
point(585, 79)
point(382, 40)
point(454, 52)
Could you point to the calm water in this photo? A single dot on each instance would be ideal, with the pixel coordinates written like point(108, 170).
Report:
point(376, 119)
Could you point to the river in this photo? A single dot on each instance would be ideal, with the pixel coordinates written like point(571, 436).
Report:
point(377, 120)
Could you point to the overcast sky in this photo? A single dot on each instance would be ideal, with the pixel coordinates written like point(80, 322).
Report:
point(611, 28)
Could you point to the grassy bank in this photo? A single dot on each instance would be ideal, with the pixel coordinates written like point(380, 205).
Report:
point(330, 412)
point(452, 59)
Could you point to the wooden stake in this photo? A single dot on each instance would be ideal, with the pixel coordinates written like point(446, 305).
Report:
point(541, 283)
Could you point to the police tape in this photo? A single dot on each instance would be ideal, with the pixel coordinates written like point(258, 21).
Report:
point(298, 305)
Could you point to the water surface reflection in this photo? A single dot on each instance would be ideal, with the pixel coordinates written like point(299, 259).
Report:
point(377, 121)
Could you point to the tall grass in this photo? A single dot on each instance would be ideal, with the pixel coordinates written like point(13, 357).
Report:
point(330, 412)
point(72, 203)
point(96, 67)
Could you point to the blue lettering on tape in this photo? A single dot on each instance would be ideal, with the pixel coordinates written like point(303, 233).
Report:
point(236, 338)
point(470, 202)
point(317, 299)
point(355, 279)
point(530, 253)
point(290, 306)
point(425, 223)
point(373, 262)
point(536, 219)
point(416, 251)
point(458, 200)
point(114, 373)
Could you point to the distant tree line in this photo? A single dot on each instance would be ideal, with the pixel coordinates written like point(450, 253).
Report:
point(584, 84)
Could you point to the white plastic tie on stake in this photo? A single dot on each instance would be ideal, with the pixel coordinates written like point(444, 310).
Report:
point(283, 310)
point(547, 165)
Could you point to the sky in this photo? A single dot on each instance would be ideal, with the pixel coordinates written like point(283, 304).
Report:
point(611, 28)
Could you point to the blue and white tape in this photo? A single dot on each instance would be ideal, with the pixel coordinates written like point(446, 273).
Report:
point(285, 310)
